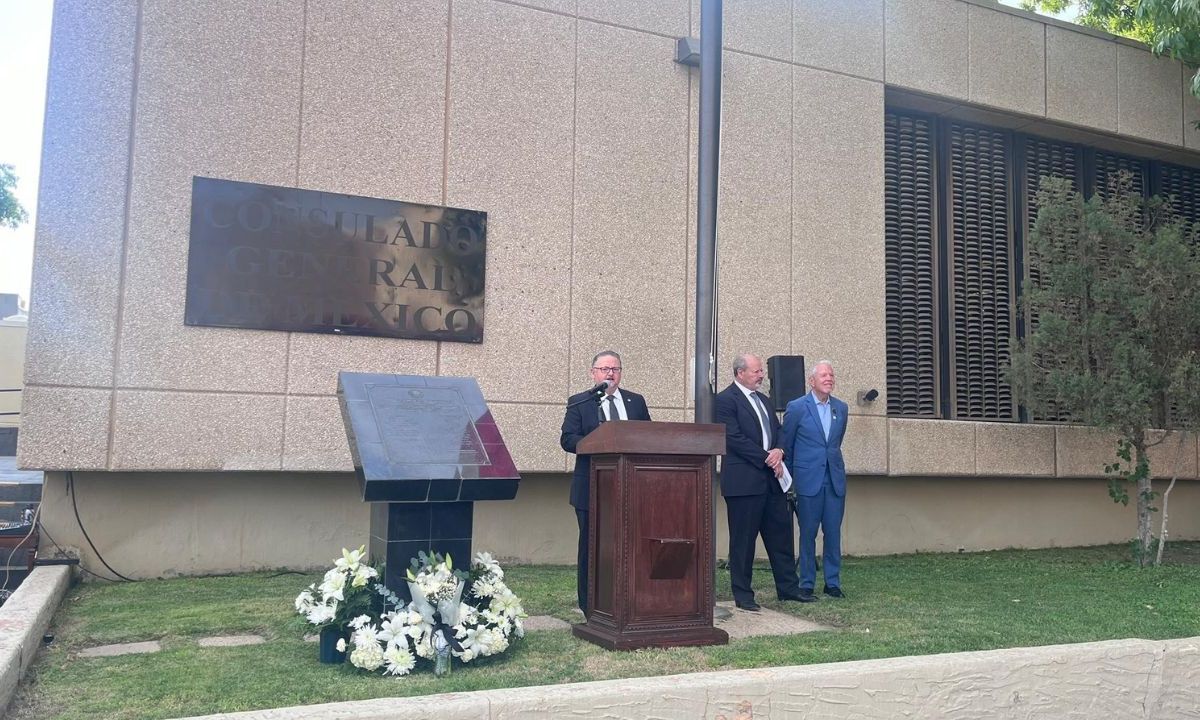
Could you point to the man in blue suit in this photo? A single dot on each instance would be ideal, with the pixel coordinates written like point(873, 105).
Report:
point(754, 501)
point(813, 428)
point(585, 412)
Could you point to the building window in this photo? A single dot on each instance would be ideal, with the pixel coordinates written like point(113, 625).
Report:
point(960, 199)
point(911, 266)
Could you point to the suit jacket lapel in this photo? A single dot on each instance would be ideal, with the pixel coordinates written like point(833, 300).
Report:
point(747, 405)
point(740, 398)
point(772, 421)
point(811, 402)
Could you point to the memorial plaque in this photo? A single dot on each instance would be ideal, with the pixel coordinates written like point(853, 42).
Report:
point(424, 449)
point(416, 438)
point(274, 258)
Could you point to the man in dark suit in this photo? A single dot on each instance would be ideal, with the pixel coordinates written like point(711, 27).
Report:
point(754, 500)
point(585, 412)
point(813, 428)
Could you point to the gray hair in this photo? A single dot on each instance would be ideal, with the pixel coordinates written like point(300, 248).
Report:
point(605, 353)
point(812, 371)
point(741, 361)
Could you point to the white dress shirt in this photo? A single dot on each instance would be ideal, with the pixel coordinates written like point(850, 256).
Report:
point(616, 396)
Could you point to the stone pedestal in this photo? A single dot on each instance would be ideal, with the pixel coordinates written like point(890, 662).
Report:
point(400, 531)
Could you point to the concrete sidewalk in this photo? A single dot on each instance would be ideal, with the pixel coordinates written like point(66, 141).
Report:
point(1114, 680)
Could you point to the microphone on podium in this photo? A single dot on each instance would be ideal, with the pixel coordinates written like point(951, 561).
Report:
point(596, 394)
point(601, 387)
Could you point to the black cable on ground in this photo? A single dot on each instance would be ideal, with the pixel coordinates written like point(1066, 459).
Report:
point(63, 552)
point(75, 507)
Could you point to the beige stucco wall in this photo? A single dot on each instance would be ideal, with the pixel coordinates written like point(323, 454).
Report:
point(570, 124)
point(152, 524)
point(12, 364)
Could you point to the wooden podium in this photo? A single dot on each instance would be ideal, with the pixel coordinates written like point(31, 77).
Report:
point(650, 535)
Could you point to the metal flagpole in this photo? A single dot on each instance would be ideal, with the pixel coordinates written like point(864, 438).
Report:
point(706, 228)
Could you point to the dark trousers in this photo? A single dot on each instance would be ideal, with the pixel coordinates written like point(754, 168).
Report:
point(581, 561)
point(770, 516)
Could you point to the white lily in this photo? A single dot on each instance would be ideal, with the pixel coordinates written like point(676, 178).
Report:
point(350, 559)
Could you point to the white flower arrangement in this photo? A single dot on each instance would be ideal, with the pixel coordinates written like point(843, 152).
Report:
point(452, 613)
point(349, 589)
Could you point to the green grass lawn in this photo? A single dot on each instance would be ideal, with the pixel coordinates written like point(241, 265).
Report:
point(898, 605)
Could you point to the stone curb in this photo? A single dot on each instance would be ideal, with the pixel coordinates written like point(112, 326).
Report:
point(23, 622)
point(1114, 679)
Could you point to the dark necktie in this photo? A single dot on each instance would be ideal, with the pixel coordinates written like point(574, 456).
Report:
point(612, 409)
point(762, 417)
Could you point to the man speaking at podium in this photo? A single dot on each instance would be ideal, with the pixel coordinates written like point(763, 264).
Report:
point(585, 411)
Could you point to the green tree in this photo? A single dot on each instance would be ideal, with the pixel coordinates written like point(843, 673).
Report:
point(1116, 337)
point(1169, 27)
point(11, 212)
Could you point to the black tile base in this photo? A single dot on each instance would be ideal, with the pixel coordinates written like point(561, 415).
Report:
point(399, 531)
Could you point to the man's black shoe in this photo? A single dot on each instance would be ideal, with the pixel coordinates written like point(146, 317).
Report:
point(798, 597)
point(833, 591)
point(748, 605)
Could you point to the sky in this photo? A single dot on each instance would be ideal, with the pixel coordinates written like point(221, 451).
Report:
point(24, 50)
point(1068, 15)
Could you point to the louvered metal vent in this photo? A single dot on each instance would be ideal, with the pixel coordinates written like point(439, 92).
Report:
point(911, 287)
point(981, 293)
point(1109, 164)
point(957, 206)
point(1183, 185)
point(1044, 158)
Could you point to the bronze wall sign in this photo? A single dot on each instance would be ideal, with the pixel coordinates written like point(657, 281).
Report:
point(274, 258)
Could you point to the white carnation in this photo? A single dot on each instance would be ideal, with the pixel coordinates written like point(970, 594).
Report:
point(368, 657)
point(399, 660)
point(425, 649)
